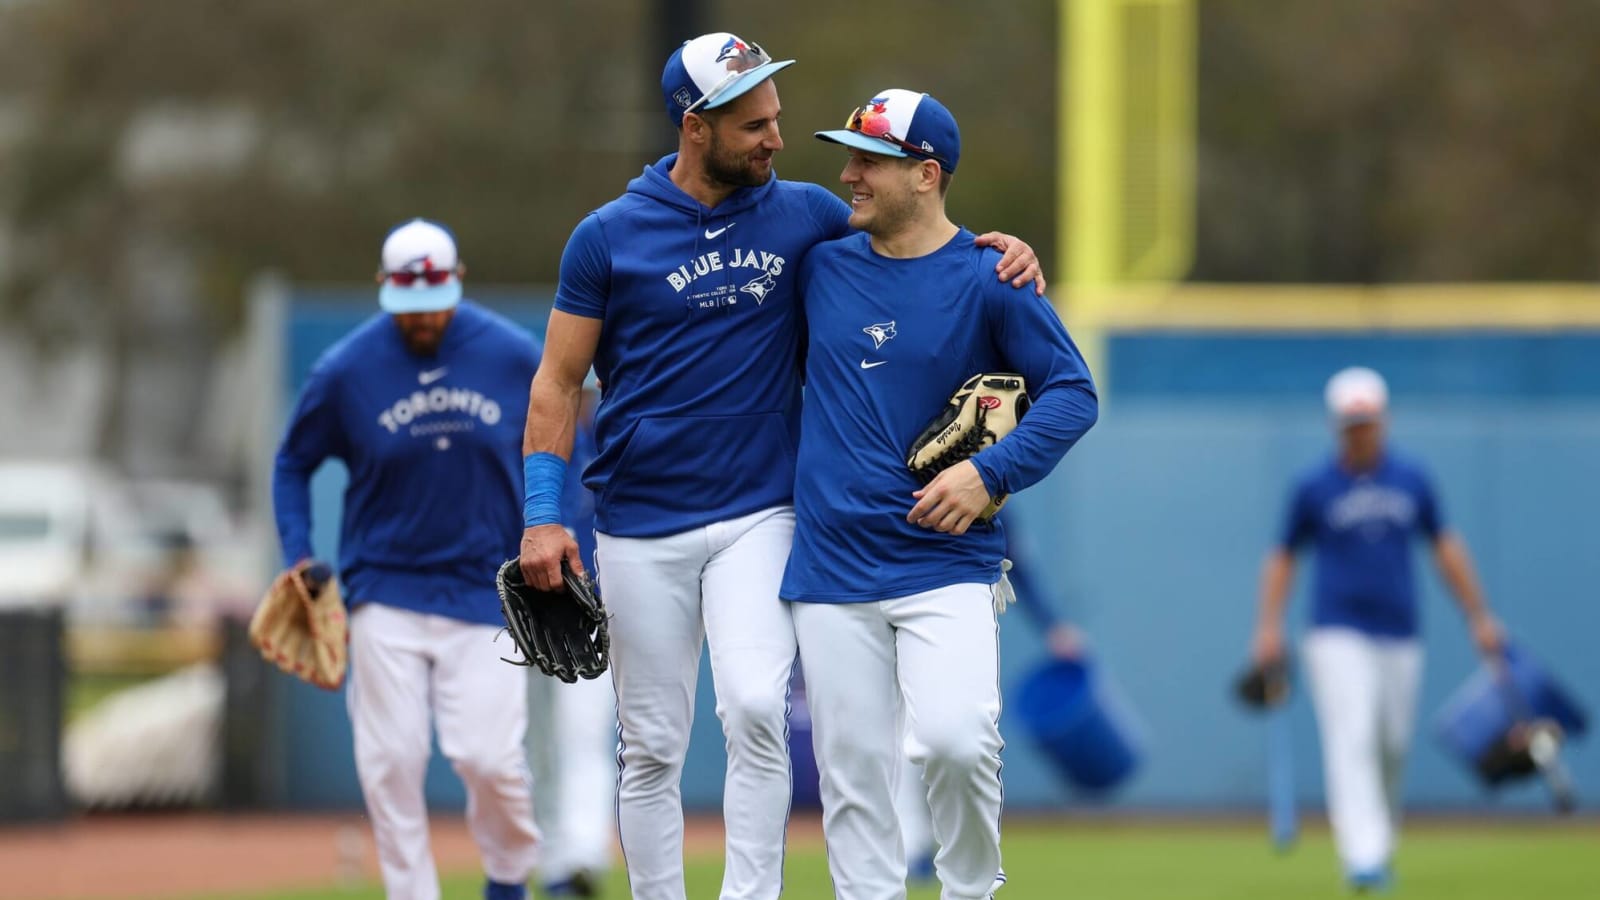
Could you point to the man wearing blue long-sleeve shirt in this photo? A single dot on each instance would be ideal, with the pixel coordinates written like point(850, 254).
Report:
point(425, 405)
point(893, 586)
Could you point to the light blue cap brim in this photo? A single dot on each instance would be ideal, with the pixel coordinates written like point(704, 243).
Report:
point(861, 142)
point(748, 80)
point(393, 298)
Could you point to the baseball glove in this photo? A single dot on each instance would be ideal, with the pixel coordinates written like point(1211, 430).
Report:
point(1263, 686)
point(981, 412)
point(300, 625)
point(562, 632)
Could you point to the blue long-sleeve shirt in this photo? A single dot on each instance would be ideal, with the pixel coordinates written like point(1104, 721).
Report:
point(434, 450)
point(889, 341)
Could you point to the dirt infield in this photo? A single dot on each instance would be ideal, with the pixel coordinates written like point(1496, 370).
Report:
point(104, 857)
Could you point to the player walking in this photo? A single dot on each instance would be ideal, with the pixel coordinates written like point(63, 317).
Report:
point(424, 407)
point(681, 294)
point(894, 590)
point(1360, 511)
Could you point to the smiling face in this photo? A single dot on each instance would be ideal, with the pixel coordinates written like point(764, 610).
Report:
point(742, 137)
point(883, 191)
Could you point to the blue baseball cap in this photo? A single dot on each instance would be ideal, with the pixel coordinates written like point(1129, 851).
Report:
point(712, 70)
point(420, 270)
point(902, 123)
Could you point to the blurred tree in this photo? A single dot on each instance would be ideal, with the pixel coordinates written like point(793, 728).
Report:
point(154, 157)
point(1398, 140)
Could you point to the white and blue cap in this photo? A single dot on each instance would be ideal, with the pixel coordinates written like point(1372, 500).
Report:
point(1356, 395)
point(420, 269)
point(712, 70)
point(902, 123)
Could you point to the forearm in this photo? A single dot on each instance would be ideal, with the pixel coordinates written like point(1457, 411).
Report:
point(291, 508)
point(1455, 565)
point(1277, 575)
point(553, 403)
point(1052, 426)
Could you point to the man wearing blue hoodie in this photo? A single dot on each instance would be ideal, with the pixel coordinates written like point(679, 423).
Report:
point(681, 295)
point(423, 405)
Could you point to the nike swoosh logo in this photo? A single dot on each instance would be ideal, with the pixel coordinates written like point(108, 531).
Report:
point(432, 375)
point(712, 235)
point(867, 365)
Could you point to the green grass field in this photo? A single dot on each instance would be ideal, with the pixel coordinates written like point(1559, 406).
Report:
point(1533, 860)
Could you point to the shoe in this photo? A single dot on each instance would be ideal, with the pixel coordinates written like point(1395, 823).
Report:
point(920, 869)
point(1369, 881)
point(497, 890)
point(579, 884)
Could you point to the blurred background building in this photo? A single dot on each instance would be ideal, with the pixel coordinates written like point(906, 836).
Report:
point(1232, 199)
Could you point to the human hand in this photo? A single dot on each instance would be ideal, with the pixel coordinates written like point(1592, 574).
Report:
point(952, 501)
point(1018, 264)
point(543, 548)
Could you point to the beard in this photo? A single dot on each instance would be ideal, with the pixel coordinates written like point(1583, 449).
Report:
point(723, 166)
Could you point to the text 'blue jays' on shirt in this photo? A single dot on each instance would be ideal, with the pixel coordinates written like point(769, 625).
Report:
point(434, 449)
point(1361, 526)
point(889, 341)
point(699, 350)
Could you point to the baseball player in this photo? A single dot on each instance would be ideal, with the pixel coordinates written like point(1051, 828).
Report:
point(576, 758)
point(423, 405)
point(1360, 511)
point(681, 294)
point(894, 589)
point(1062, 639)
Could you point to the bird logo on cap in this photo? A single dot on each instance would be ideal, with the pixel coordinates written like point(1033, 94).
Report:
point(872, 119)
point(741, 57)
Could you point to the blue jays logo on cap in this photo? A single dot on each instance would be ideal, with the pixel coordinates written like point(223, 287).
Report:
point(712, 70)
point(903, 124)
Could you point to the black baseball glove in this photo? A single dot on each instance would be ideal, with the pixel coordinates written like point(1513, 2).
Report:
point(1262, 687)
point(562, 632)
point(981, 412)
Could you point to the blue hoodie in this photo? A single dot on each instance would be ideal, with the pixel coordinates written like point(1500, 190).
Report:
point(700, 347)
point(434, 449)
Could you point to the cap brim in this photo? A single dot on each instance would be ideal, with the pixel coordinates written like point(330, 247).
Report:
point(861, 142)
point(748, 80)
point(393, 298)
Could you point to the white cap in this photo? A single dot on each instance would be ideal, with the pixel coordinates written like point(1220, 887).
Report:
point(419, 246)
point(1357, 394)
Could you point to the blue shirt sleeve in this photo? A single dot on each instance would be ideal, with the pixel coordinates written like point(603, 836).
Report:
point(1301, 521)
point(314, 434)
point(832, 215)
point(1031, 339)
point(585, 271)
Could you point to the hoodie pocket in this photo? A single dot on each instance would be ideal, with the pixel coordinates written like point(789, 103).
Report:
point(713, 464)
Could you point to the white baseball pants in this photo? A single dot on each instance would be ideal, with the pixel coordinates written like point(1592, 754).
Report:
point(911, 678)
point(717, 584)
point(574, 745)
point(404, 665)
point(1365, 693)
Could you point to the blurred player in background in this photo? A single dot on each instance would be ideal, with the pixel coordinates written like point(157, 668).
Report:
point(681, 295)
point(894, 598)
point(1360, 511)
point(575, 747)
point(1063, 640)
point(424, 406)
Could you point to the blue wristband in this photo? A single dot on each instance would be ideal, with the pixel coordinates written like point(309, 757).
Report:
point(544, 477)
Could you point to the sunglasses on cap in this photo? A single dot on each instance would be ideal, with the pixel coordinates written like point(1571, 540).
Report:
point(748, 55)
point(404, 278)
point(874, 124)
